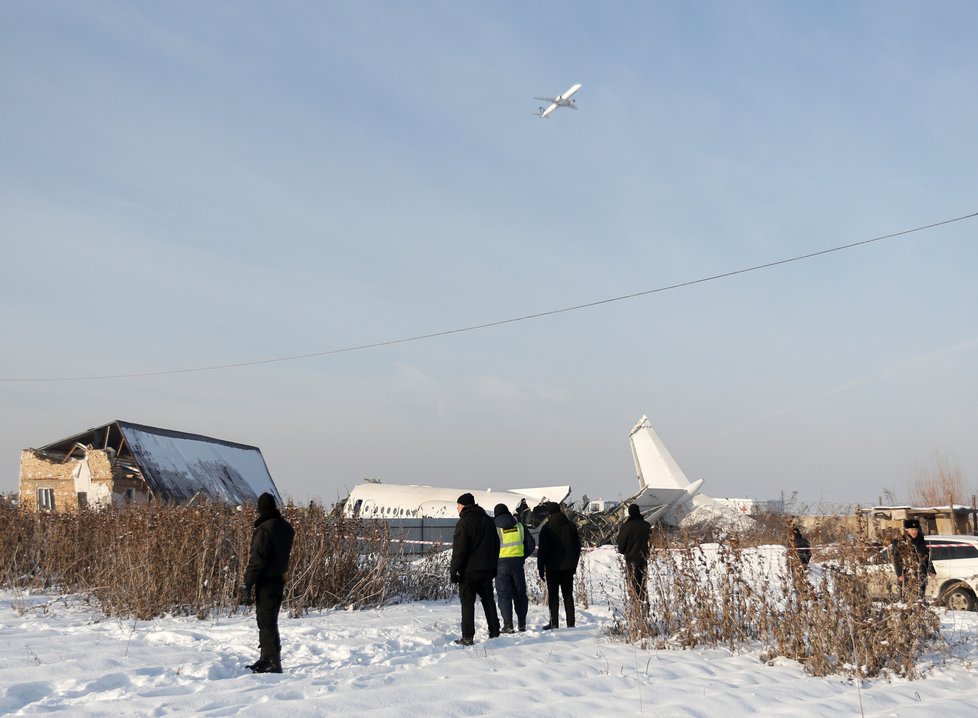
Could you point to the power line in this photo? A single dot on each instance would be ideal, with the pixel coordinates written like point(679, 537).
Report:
point(500, 322)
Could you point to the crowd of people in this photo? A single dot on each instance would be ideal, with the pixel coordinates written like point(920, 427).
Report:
point(488, 563)
point(495, 549)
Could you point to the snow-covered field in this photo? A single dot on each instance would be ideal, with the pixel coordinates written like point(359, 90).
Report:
point(61, 657)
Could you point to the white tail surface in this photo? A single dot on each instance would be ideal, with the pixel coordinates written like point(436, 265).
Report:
point(653, 463)
point(664, 491)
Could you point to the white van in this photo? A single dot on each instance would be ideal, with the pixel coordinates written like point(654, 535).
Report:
point(955, 560)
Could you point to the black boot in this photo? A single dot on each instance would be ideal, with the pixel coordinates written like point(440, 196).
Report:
point(268, 665)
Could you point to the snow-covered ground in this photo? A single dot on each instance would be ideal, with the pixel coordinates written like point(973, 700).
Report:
point(59, 656)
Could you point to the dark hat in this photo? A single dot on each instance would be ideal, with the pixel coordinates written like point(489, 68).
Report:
point(466, 499)
point(634, 511)
point(911, 524)
point(266, 504)
point(500, 510)
point(553, 507)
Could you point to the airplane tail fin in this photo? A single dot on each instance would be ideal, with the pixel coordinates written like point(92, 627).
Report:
point(654, 465)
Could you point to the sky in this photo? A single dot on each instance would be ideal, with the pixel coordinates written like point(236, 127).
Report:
point(64, 657)
point(190, 185)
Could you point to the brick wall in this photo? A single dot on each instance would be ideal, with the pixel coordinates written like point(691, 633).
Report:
point(40, 472)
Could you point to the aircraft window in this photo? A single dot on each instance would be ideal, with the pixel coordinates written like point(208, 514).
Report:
point(356, 507)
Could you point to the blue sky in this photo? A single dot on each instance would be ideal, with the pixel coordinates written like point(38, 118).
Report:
point(195, 184)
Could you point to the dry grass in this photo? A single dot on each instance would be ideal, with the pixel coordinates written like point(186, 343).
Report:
point(151, 560)
point(737, 596)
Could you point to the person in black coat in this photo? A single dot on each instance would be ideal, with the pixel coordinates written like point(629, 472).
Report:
point(633, 544)
point(558, 554)
point(516, 543)
point(801, 548)
point(271, 547)
point(911, 559)
point(475, 554)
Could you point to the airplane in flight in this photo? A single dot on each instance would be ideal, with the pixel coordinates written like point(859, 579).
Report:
point(563, 100)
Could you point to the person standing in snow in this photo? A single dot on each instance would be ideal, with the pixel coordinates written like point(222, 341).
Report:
point(516, 543)
point(633, 544)
point(271, 547)
point(800, 547)
point(475, 553)
point(558, 554)
point(911, 559)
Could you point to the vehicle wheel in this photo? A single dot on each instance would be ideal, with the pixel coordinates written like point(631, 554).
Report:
point(960, 599)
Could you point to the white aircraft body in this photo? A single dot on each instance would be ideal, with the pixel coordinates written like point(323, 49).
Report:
point(665, 494)
point(563, 100)
point(371, 500)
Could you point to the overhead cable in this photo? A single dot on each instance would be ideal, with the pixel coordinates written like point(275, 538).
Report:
point(500, 322)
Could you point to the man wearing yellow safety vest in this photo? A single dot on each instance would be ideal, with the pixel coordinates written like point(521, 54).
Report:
point(515, 545)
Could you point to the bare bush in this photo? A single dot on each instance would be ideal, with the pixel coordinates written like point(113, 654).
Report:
point(148, 560)
point(938, 485)
point(749, 593)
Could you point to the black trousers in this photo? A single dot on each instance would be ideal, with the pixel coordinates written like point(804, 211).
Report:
point(477, 584)
point(564, 581)
point(637, 573)
point(268, 602)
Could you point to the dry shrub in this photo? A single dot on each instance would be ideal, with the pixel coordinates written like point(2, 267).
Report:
point(154, 559)
point(747, 595)
point(939, 485)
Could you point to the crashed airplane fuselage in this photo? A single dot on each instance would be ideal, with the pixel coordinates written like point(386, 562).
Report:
point(426, 514)
point(372, 500)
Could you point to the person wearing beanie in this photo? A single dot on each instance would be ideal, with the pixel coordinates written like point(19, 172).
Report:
point(558, 553)
point(911, 560)
point(516, 543)
point(633, 544)
point(475, 553)
point(271, 547)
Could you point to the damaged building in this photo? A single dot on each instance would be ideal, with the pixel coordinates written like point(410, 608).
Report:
point(122, 462)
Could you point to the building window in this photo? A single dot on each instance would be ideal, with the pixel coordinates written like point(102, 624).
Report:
point(45, 499)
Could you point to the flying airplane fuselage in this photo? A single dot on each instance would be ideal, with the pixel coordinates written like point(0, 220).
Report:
point(562, 100)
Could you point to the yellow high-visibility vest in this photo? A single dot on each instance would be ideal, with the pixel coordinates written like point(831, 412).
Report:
point(511, 542)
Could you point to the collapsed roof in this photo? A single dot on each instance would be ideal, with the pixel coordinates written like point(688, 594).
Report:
point(175, 465)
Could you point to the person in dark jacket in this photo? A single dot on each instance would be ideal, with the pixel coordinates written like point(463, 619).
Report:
point(800, 547)
point(633, 544)
point(475, 553)
point(516, 543)
point(558, 554)
point(271, 546)
point(911, 559)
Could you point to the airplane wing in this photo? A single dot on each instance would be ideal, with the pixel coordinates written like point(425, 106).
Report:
point(547, 99)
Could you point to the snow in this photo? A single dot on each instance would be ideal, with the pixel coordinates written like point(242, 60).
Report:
point(62, 656)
